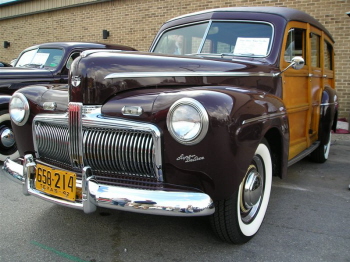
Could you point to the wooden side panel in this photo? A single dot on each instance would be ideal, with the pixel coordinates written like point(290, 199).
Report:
point(302, 89)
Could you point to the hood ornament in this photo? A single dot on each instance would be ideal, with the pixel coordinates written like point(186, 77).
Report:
point(75, 81)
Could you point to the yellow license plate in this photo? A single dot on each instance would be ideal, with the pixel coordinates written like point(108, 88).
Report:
point(56, 182)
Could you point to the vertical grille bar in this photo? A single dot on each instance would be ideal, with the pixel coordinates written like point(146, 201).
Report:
point(75, 134)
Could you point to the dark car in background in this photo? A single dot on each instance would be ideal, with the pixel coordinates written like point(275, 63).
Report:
point(45, 63)
point(4, 64)
point(226, 99)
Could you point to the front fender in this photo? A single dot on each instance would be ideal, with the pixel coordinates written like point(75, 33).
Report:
point(239, 120)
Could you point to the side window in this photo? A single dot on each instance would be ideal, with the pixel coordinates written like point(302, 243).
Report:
point(182, 40)
point(327, 56)
point(315, 50)
point(71, 59)
point(295, 44)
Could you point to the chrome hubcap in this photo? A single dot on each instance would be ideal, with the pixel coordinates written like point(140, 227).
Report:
point(7, 138)
point(252, 190)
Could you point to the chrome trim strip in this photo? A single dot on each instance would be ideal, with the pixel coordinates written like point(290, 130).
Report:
point(156, 202)
point(86, 53)
point(184, 74)
point(263, 117)
point(328, 104)
point(75, 134)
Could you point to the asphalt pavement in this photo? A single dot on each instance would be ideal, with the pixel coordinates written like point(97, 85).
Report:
point(308, 219)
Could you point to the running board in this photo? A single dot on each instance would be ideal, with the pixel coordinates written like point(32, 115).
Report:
point(303, 154)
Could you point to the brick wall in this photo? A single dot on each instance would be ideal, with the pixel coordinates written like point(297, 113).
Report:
point(135, 23)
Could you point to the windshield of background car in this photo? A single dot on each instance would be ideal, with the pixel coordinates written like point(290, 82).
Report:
point(238, 38)
point(41, 58)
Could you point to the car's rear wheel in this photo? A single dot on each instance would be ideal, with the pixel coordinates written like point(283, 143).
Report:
point(238, 218)
point(320, 155)
point(8, 146)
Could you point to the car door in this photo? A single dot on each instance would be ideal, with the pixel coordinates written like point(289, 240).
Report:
point(315, 81)
point(296, 88)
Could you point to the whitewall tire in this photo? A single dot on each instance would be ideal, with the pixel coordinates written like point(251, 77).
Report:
point(238, 218)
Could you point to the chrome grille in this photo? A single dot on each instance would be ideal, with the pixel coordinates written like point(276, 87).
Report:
point(116, 148)
point(129, 152)
point(52, 141)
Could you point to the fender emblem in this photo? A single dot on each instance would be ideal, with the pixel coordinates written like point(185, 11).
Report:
point(189, 158)
point(75, 81)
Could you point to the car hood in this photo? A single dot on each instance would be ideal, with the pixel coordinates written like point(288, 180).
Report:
point(97, 76)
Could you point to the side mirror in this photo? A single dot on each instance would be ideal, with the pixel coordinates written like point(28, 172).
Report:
point(297, 63)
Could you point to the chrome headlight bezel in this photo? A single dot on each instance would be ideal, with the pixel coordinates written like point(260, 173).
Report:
point(203, 121)
point(20, 104)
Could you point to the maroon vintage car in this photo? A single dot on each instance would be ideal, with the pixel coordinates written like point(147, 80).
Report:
point(226, 99)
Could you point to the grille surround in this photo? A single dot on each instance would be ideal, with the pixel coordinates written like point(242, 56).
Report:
point(108, 145)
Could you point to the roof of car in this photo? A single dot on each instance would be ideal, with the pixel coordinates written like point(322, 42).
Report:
point(84, 45)
point(289, 14)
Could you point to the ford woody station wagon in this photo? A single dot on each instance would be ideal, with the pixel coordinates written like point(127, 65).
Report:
point(225, 99)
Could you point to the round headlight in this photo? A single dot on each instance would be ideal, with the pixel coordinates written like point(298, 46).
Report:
point(19, 109)
point(187, 121)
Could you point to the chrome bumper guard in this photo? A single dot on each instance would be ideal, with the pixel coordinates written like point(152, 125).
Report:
point(114, 197)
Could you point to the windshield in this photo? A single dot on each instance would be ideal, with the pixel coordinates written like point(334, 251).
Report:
point(40, 58)
point(218, 37)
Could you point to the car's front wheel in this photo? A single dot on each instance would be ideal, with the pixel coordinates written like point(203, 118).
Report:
point(238, 218)
point(8, 146)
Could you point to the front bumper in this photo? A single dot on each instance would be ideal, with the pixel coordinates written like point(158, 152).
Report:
point(155, 202)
